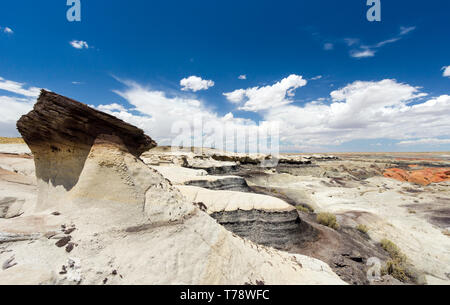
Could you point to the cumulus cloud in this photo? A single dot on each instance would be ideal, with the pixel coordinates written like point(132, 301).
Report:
point(362, 110)
point(14, 106)
point(195, 83)
point(446, 72)
point(112, 107)
point(365, 110)
point(263, 98)
point(242, 77)
point(236, 96)
point(79, 44)
point(18, 88)
point(426, 141)
point(157, 113)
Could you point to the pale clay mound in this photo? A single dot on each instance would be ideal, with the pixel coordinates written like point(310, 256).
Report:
point(383, 205)
point(148, 232)
point(14, 149)
point(227, 201)
point(200, 178)
point(263, 219)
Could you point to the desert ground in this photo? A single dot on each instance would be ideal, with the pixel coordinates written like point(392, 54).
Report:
point(106, 205)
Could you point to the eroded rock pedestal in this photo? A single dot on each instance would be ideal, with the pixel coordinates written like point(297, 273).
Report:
point(61, 132)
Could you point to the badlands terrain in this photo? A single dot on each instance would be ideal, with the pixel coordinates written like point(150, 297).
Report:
point(90, 199)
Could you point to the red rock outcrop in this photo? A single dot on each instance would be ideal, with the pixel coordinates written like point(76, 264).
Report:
point(424, 176)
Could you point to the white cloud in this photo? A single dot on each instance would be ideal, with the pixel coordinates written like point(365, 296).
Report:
point(385, 42)
point(362, 53)
point(425, 141)
point(446, 72)
point(13, 107)
point(79, 44)
point(236, 96)
point(263, 98)
point(365, 51)
point(18, 88)
point(242, 77)
point(328, 46)
point(195, 83)
point(111, 107)
point(156, 112)
point(364, 110)
point(406, 30)
point(316, 77)
point(8, 30)
point(368, 110)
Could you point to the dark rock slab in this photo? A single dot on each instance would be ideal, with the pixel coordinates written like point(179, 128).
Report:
point(281, 230)
point(58, 120)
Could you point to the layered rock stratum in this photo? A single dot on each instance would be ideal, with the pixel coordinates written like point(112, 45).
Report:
point(104, 217)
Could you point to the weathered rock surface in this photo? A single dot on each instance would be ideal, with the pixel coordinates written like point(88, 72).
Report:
point(18, 163)
point(262, 219)
point(127, 216)
point(194, 159)
point(212, 166)
point(412, 216)
point(58, 120)
point(60, 133)
point(17, 191)
point(14, 149)
point(422, 176)
point(10, 207)
point(200, 178)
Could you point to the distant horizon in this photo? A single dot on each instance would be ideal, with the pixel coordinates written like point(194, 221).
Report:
point(285, 152)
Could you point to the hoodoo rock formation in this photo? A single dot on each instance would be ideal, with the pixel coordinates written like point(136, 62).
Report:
point(61, 132)
point(104, 216)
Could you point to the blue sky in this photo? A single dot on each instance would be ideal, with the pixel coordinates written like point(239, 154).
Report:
point(349, 84)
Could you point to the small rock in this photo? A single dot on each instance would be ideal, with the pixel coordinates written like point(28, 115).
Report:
point(71, 263)
point(9, 263)
point(63, 270)
point(68, 231)
point(105, 280)
point(69, 247)
point(49, 235)
point(56, 213)
point(63, 241)
point(114, 272)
